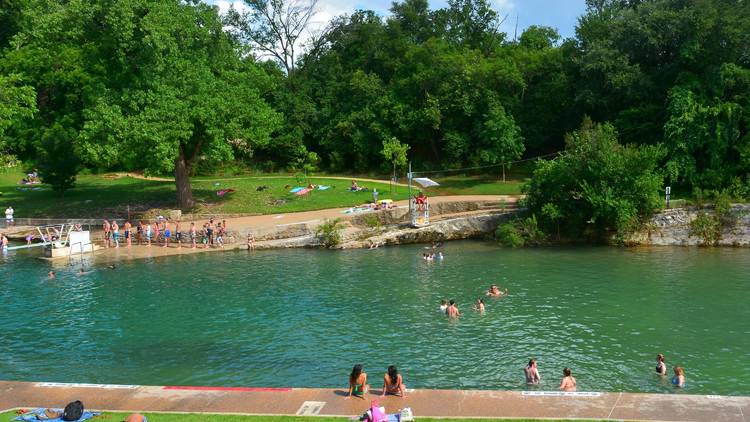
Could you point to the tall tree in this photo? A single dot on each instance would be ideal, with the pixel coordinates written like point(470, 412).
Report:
point(274, 27)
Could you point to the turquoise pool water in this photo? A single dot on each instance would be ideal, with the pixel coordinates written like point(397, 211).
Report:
point(302, 318)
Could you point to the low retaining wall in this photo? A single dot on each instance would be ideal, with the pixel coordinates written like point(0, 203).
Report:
point(672, 228)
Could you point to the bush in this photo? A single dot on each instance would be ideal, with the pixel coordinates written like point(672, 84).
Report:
point(709, 227)
point(521, 232)
point(329, 233)
point(597, 187)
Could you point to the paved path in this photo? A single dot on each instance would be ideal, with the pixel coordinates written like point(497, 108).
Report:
point(424, 403)
point(221, 179)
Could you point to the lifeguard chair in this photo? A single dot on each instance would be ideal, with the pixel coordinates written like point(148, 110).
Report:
point(420, 213)
point(419, 206)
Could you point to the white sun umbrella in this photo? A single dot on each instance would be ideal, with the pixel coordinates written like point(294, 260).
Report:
point(425, 182)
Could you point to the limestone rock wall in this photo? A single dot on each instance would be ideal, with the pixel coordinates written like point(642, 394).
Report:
point(672, 228)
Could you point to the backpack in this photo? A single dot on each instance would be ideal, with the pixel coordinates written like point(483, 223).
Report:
point(73, 411)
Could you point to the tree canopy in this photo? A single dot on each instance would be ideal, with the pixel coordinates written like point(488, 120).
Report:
point(171, 86)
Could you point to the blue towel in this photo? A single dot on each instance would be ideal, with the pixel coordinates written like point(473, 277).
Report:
point(295, 190)
point(31, 415)
point(321, 187)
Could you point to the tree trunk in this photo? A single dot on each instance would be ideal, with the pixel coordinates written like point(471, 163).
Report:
point(185, 199)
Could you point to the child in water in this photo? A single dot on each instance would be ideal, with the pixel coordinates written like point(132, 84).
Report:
point(479, 306)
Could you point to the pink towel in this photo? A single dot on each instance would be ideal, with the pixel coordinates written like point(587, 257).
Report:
point(304, 191)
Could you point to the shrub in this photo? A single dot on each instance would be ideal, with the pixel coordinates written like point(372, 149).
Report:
point(329, 233)
point(521, 232)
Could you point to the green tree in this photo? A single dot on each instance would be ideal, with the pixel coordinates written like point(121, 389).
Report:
point(395, 153)
point(501, 141)
point(58, 161)
point(17, 103)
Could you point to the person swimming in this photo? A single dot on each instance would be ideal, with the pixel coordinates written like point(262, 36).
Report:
point(495, 291)
point(532, 373)
point(443, 306)
point(357, 382)
point(568, 383)
point(661, 367)
point(452, 310)
point(51, 274)
point(479, 306)
point(678, 380)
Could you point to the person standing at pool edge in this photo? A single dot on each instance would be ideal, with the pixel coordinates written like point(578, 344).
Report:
point(106, 228)
point(357, 382)
point(532, 373)
point(568, 383)
point(661, 367)
point(9, 216)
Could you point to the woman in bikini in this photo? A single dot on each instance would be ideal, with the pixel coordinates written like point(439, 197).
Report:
point(393, 383)
point(357, 382)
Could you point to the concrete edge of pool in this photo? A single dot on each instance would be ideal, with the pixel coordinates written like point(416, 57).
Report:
point(424, 403)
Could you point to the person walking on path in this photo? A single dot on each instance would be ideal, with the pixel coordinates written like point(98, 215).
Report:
point(193, 235)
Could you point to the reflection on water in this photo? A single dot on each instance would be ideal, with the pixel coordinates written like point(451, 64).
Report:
point(303, 318)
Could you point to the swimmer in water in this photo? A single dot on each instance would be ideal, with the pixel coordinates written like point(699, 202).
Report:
point(532, 373)
point(495, 291)
point(452, 310)
point(111, 267)
point(678, 380)
point(661, 367)
point(443, 306)
point(479, 306)
point(568, 383)
point(51, 274)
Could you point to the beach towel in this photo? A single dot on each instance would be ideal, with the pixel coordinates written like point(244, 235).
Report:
point(295, 190)
point(304, 191)
point(321, 187)
point(32, 415)
point(224, 192)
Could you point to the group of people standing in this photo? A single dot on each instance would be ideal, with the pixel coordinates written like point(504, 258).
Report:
point(163, 232)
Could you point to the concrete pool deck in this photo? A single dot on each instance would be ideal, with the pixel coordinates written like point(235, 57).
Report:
point(424, 403)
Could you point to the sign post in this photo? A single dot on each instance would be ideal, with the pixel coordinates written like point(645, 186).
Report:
point(667, 194)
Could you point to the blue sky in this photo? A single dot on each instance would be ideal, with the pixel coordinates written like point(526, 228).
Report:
point(560, 14)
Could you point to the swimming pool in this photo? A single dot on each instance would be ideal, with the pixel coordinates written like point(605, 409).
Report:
point(302, 318)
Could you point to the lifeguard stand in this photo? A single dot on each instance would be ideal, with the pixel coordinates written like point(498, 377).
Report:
point(420, 213)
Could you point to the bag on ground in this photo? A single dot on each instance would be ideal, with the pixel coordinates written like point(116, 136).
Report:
point(73, 411)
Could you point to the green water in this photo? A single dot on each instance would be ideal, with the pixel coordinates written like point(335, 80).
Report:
point(302, 318)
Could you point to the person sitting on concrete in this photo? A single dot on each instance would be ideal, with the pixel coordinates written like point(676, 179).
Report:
point(135, 417)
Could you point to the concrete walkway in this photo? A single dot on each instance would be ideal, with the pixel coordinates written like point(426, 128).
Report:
point(424, 403)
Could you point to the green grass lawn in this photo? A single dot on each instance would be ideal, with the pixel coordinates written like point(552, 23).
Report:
point(175, 417)
point(108, 195)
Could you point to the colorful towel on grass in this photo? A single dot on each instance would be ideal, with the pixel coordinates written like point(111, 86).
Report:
point(31, 415)
point(295, 190)
point(304, 191)
point(321, 187)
